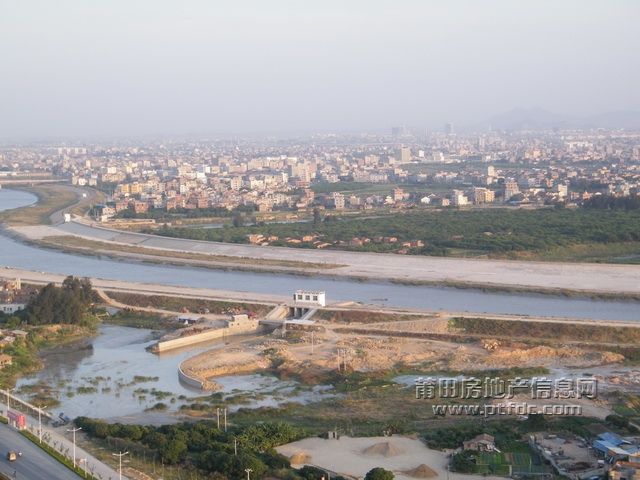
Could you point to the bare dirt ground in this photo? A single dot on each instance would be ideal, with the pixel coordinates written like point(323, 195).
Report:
point(329, 349)
point(172, 313)
point(354, 457)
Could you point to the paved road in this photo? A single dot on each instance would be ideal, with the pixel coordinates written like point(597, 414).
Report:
point(57, 217)
point(34, 463)
point(40, 278)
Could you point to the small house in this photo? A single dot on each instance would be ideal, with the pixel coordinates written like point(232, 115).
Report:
point(482, 443)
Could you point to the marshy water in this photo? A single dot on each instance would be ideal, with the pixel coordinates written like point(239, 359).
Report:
point(113, 376)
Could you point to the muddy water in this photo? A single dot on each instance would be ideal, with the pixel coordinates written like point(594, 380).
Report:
point(112, 376)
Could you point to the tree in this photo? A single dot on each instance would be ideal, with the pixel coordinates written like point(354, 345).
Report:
point(535, 422)
point(242, 461)
point(379, 473)
point(463, 462)
point(173, 451)
point(68, 304)
point(265, 436)
point(237, 220)
point(12, 322)
point(317, 217)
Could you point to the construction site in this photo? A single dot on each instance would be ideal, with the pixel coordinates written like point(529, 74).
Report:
point(310, 340)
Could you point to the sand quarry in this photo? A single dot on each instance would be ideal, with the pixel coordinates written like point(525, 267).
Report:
point(407, 457)
point(378, 350)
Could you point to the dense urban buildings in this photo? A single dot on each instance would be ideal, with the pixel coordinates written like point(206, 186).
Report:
point(343, 173)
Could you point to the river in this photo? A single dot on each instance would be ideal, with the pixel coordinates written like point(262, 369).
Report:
point(98, 377)
point(113, 376)
point(18, 255)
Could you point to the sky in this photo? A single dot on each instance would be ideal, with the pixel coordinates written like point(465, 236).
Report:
point(144, 67)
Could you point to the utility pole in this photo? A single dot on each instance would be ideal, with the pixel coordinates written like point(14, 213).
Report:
point(225, 419)
point(248, 470)
point(342, 359)
point(74, 430)
point(235, 446)
point(218, 414)
point(120, 455)
point(40, 423)
point(312, 341)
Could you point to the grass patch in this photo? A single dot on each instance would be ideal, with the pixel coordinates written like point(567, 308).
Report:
point(196, 305)
point(51, 198)
point(557, 331)
point(363, 316)
point(615, 252)
point(24, 352)
point(138, 319)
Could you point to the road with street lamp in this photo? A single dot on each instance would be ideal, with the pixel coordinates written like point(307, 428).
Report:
point(34, 462)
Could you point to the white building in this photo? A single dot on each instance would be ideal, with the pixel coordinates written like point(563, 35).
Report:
point(11, 308)
point(304, 297)
point(459, 199)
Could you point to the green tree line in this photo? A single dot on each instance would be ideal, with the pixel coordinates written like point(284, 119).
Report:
point(494, 231)
point(205, 447)
point(70, 303)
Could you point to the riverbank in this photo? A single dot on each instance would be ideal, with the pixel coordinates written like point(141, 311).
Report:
point(82, 246)
point(588, 280)
point(596, 280)
point(25, 352)
point(52, 201)
point(227, 284)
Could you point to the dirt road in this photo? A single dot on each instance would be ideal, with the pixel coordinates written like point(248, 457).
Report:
point(42, 278)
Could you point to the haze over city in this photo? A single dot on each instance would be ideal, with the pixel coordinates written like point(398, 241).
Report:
point(73, 68)
point(319, 240)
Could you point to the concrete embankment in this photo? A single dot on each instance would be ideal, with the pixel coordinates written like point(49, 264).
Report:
point(576, 277)
point(193, 381)
point(201, 337)
point(199, 377)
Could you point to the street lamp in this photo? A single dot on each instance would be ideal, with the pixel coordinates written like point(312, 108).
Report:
point(120, 455)
point(74, 430)
point(40, 422)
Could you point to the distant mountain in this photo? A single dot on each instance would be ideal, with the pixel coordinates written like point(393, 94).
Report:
point(529, 119)
point(538, 119)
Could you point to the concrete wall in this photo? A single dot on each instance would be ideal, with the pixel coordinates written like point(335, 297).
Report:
point(190, 381)
point(164, 345)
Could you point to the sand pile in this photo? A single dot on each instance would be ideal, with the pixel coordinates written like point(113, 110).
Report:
point(421, 471)
point(384, 449)
point(300, 458)
point(548, 355)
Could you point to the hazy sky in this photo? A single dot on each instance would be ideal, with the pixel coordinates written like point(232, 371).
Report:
point(119, 67)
